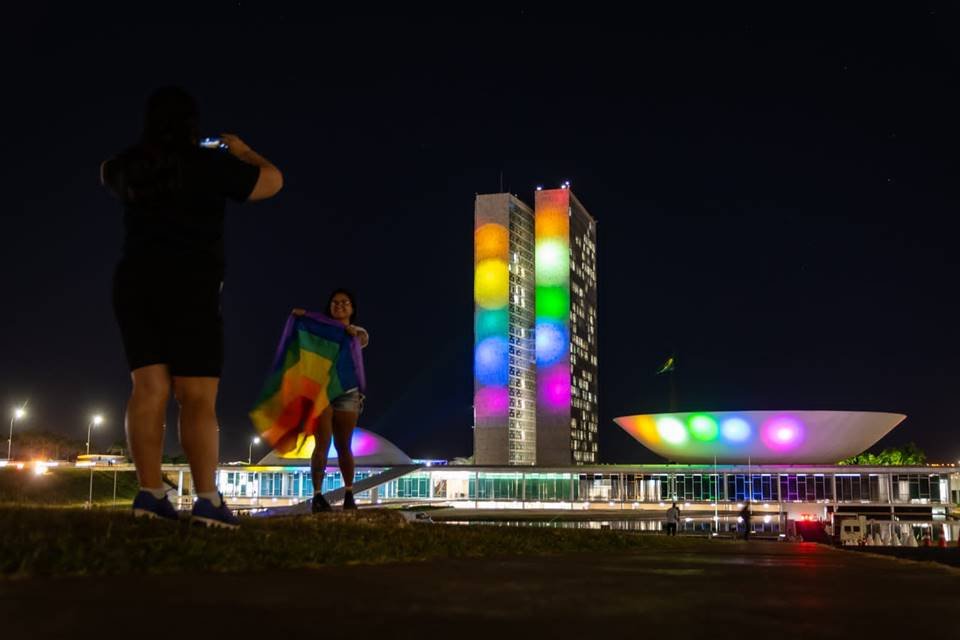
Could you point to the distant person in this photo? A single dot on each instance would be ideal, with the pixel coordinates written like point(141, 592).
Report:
point(673, 517)
point(166, 288)
point(745, 516)
point(340, 418)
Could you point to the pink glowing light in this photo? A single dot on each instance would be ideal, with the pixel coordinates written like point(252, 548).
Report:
point(554, 387)
point(782, 433)
point(491, 402)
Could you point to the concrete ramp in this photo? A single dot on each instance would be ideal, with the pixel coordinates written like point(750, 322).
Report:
point(303, 508)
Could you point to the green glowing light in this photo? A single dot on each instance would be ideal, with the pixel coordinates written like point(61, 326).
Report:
point(703, 427)
point(553, 302)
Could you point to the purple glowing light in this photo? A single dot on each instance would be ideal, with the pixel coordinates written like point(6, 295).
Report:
point(554, 387)
point(361, 444)
point(491, 402)
point(782, 433)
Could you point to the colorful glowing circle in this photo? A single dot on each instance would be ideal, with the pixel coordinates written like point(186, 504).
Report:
point(552, 221)
point(703, 428)
point(489, 322)
point(491, 241)
point(735, 429)
point(491, 286)
point(491, 402)
point(553, 387)
point(642, 427)
point(782, 433)
point(553, 302)
point(553, 262)
point(671, 430)
point(491, 361)
point(551, 342)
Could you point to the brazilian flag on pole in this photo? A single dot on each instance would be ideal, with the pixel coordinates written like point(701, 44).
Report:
point(668, 366)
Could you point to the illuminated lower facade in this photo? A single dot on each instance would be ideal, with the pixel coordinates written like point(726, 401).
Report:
point(777, 493)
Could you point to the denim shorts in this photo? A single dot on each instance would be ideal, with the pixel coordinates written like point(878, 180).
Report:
point(350, 401)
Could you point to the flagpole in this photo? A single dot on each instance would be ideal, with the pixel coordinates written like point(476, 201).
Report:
point(716, 497)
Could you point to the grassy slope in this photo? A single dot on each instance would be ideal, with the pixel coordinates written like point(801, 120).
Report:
point(45, 542)
point(64, 487)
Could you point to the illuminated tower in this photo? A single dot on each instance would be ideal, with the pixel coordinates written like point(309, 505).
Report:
point(504, 361)
point(566, 329)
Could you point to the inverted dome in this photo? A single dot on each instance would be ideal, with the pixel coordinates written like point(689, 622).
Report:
point(769, 437)
point(369, 450)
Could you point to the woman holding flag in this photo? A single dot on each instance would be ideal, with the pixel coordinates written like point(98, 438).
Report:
point(339, 419)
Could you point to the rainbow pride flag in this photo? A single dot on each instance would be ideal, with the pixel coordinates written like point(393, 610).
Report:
point(316, 361)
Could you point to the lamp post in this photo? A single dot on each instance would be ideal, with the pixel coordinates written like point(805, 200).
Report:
point(94, 421)
point(250, 450)
point(18, 413)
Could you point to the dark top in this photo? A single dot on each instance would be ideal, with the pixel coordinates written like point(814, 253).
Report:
point(174, 206)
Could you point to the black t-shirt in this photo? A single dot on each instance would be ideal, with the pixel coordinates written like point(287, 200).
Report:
point(174, 206)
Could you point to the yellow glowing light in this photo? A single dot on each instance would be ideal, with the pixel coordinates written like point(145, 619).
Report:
point(492, 241)
point(491, 285)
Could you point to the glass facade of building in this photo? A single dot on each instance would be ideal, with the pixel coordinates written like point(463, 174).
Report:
point(584, 390)
point(622, 484)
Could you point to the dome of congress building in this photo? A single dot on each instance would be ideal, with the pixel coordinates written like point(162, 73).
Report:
point(764, 437)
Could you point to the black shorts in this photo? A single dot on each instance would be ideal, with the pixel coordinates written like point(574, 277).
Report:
point(171, 319)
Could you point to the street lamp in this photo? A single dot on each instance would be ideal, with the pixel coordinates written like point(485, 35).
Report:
point(18, 413)
point(94, 421)
point(250, 451)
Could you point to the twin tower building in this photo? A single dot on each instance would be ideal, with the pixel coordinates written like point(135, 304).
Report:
point(535, 330)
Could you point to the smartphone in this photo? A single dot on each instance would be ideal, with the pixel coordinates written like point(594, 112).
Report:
point(212, 143)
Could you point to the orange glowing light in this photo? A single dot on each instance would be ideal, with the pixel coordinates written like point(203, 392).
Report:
point(491, 241)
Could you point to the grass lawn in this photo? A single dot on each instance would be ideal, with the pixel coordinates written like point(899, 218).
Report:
point(65, 487)
point(56, 542)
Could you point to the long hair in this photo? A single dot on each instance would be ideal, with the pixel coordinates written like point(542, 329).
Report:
point(353, 303)
point(153, 168)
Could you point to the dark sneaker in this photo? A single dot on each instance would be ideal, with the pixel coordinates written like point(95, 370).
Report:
point(206, 514)
point(319, 504)
point(348, 502)
point(146, 506)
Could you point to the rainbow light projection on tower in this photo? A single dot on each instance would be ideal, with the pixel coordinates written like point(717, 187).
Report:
point(822, 437)
point(552, 233)
point(491, 291)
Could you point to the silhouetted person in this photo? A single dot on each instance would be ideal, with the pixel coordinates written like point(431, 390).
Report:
point(745, 515)
point(166, 289)
point(673, 517)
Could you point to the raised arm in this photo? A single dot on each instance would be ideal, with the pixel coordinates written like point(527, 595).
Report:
point(270, 180)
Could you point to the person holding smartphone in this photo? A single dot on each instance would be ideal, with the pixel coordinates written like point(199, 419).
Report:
point(167, 286)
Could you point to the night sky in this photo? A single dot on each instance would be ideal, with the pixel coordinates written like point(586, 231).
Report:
point(775, 197)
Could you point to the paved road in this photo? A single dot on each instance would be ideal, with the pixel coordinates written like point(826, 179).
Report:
point(723, 590)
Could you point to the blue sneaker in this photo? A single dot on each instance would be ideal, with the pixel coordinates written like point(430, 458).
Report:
point(146, 506)
point(206, 514)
